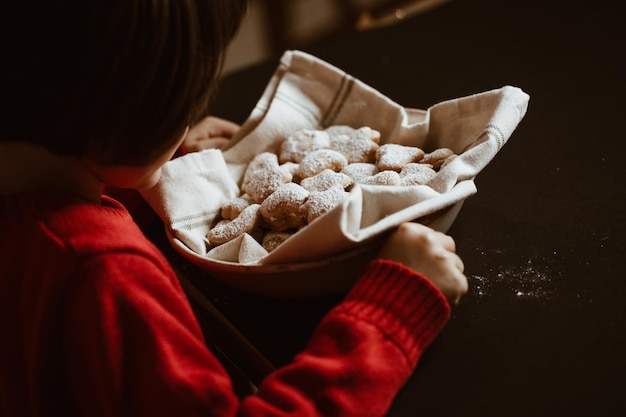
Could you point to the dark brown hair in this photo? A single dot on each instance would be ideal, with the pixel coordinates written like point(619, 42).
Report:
point(114, 81)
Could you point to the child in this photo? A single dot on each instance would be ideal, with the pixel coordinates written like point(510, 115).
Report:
point(92, 317)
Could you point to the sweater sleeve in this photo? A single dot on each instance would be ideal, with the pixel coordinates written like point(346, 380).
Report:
point(134, 347)
point(362, 352)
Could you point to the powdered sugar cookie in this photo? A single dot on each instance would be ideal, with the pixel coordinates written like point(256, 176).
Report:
point(366, 132)
point(281, 210)
point(388, 177)
point(360, 146)
point(392, 156)
point(273, 239)
point(263, 176)
point(226, 230)
point(437, 157)
point(321, 202)
point(234, 207)
point(416, 174)
point(289, 167)
point(359, 171)
point(448, 160)
point(336, 130)
point(325, 180)
point(264, 160)
point(295, 147)
point(317, 161)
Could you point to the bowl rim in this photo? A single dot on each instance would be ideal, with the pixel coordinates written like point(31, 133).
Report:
point(211, 265)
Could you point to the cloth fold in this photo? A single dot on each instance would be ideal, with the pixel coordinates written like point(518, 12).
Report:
point(306, 92)
point(190, 194)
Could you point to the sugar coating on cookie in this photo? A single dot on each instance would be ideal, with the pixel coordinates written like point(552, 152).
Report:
point(325, 180)
point(234, 207)
point(447, 161)
point(295, 147)
point(417, 174)
point(367, 133)
point(358, 146)
point(317, 161)
point(273, 239)
point(290, 167)
point(359, 171)
point(387, 177)
point(281, 210)
point(261, 161)
point(321, 202)
point(263, 176)
point(336, 130)
point(437, 157)
point(225, 231)
point(392, 156)
point(416, 168)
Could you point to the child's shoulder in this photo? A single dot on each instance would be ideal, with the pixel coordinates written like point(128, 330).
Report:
point(85, 227)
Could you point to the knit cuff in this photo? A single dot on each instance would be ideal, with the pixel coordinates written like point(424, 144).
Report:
point(401, 303)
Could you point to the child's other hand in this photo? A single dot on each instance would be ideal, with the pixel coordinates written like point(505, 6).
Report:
point(431, 253)
point(210, 132)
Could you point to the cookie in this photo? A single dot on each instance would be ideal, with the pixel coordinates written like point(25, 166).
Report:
point(392, 156)
point(437, 157)
point(317, 161)
point(289, 167)
point(226, 230)
point(359, 146)
point(263, 176)
point(297, 146)
point(321, 202)
point(447, 161)
point(281, 210)
point(273, 239)
point(416, 174)
point(325, 180)
point(336, 130)
point(359, 171)
point(388, 177)
point(234, 207)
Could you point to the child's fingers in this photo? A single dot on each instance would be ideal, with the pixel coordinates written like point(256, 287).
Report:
point(458, 262)
point(447, 242)
point(217, 127)
point(210, 132)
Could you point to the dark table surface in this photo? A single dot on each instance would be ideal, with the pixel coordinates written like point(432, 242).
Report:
point(542, 331)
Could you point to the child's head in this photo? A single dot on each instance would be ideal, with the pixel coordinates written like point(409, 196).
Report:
point(117, 81)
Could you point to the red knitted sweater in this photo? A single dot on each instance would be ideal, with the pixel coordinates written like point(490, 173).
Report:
point(94, 322)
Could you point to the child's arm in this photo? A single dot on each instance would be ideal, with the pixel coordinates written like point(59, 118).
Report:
point(431, 253)
point(364, 350)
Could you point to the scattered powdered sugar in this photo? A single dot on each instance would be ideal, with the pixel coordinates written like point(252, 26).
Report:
point(530, 280)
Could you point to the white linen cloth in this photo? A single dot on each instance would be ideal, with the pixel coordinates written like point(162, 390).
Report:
point(306, 92)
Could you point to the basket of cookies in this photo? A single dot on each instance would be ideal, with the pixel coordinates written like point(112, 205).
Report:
point(324, 167)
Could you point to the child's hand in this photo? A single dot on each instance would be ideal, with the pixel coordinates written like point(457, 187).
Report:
point(431, 253)
point(210, 132)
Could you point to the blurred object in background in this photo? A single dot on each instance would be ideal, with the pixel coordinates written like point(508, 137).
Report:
point(273, 26)
point(376, 13)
